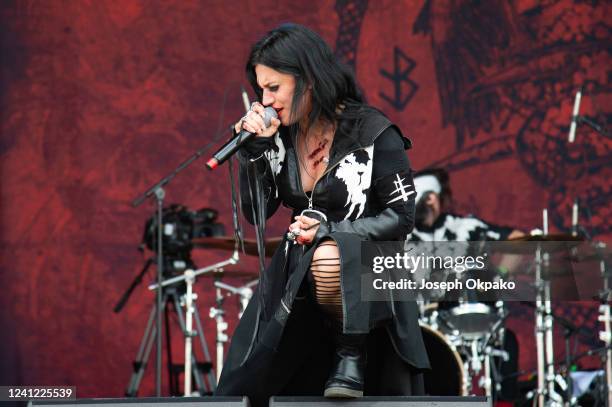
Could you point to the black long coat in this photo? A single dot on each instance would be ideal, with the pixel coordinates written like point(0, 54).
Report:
point(281, 345)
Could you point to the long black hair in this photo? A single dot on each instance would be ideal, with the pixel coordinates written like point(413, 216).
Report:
point(294, 49)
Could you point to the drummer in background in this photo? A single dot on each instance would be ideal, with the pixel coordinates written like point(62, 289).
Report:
point(434, 223)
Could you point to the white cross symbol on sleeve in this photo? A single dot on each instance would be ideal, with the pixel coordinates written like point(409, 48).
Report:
point(400, 189)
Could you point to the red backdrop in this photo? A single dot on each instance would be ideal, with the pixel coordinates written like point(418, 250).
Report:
point(100, 99)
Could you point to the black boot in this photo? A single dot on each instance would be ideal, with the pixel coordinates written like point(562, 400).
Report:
point(346, 378)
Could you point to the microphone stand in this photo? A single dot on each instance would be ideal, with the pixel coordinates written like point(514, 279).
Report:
point(157, 192)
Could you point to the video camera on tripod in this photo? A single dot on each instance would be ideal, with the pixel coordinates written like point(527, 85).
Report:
point(180, 227)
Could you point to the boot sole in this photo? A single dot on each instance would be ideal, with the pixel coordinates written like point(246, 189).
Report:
point(342, 392)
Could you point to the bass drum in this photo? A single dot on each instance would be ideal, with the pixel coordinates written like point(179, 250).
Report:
point(446, 377)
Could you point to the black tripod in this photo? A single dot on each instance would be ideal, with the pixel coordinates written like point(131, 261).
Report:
point(171, 303)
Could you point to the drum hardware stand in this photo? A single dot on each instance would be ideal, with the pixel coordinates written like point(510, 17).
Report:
point(540, 328)
point(218, 268)
point(189, 333)
point(605, 317)
point(245, 293)
point(479, 360)
point(544, 329)
point(472, 364)
point(486, 382)
point(476, 363)
point(217, 313)
point(221, 338)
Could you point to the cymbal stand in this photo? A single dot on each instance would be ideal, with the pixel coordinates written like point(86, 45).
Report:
point(548, 321)
point(546, 393)
point(245, 293)
point(606, 317)
point(540, 328)
point(189, 334)
point(475, 362)
point(217, 313)
point(221, 338)
point(554, 398)
point(218, 268)
point(486, 381)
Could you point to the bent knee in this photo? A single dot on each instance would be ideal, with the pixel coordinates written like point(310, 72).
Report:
point(328, 249)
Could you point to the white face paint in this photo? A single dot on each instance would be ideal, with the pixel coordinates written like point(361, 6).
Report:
point(357, 178)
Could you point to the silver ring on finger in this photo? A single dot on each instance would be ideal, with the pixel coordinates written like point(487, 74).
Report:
point(242, 121)
point(293, 234)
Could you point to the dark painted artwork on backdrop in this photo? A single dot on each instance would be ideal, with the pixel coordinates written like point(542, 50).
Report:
point(404, 87)
point(505, 91)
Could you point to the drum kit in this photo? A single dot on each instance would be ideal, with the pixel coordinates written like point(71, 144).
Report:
point(465, 339)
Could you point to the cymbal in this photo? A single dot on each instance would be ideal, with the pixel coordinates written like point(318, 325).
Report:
point(595, 251)
point(228, 243)
point(591, 257)
point(559, 237)
point(525, 244)
point(555, 269)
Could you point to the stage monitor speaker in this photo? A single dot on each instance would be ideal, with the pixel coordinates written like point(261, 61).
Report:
point(436, 401)
point(148, 402)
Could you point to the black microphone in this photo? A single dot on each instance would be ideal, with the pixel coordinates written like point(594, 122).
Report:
point(235, 143)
